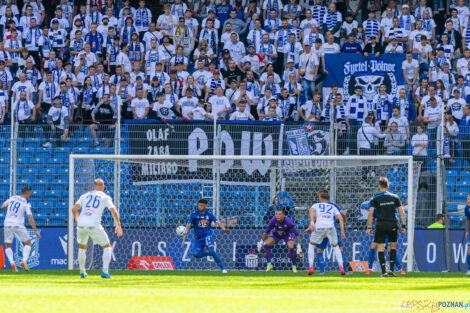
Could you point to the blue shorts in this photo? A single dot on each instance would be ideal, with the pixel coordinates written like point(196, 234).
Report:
point(203, 242)
point(324, 243)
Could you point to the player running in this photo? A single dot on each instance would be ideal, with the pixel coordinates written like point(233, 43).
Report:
point(282, 227)
point(322, 223)
point(386, 204)
point(201, 221)
point(92, 205)
point(16, 207)
point(322, 246)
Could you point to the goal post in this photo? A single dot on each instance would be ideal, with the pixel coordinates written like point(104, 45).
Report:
point(156, 193)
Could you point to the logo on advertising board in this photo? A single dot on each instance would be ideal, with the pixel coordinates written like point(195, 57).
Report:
point(33, 260)
point(248, 259)
point(251, 260)
point(151, 263)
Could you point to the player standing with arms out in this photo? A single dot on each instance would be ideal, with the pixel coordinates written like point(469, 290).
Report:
point(322, 223)
point(92, 205)
point(467, 224)
point(282, 227)
point(201, 221)
point(386, 204)
point(16, 207)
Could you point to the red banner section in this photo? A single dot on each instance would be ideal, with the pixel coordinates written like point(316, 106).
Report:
point(359, 266)
point(151, 263)
point(2, 258)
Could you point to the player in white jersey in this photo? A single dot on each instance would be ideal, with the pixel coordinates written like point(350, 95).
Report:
point(92, 205)
point(322, 223)
point(16, 207)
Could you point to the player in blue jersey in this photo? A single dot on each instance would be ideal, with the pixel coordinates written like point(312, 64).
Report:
point(322, 246)
point(467, 224)
point(373, 252)
point(280, 227)
point(201, 221)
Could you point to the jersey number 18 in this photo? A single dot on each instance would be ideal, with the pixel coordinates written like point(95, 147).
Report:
point(14, 207)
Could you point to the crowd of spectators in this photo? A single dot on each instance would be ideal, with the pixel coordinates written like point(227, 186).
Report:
point(93, 61)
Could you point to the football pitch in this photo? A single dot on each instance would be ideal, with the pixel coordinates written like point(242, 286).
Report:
point(184, 291)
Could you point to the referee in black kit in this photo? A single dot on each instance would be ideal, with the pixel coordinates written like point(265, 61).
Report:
point(386, 204)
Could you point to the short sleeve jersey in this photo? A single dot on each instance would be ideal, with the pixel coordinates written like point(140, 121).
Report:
point(93, 204)
point(325, 214)
point(202, 223)
point(16, 208)
point(386, 204)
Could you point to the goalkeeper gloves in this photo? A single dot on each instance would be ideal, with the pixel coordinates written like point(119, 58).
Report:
point(260, 245)
point(299, 249)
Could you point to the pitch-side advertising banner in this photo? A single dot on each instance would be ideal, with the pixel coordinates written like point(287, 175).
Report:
point(237, 250)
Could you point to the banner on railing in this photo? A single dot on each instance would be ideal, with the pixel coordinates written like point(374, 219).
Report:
point(237, 249)
point(351, 70)
point(197, 138)
point(307, 139)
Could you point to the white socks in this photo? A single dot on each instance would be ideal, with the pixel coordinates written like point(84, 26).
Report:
point(9, 254)
point(106, 259)
point(338, 256)
point(26, 251)
point(82, 259)
point(311, 255)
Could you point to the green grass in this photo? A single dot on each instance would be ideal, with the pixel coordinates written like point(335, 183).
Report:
point(181, 291)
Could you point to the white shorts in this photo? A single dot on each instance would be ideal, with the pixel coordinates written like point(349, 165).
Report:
point(97, 234)
point(317, 236)
point(20, 232)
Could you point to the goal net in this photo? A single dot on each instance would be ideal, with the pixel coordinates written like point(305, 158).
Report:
point(155, 194)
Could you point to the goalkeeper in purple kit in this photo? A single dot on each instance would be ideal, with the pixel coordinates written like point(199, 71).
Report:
point(282, 228)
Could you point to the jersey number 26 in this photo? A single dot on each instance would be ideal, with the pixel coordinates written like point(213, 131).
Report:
point(93, 201)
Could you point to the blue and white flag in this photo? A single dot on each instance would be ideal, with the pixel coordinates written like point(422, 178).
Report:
point(350, 70)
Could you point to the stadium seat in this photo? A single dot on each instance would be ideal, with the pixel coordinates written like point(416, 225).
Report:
point(459, 197)
point(40, 220)
point(463, 187)
point(465, 175)
point(27, 173)
point(52, 195)
point(26, 152)
point(451, 180)
point(452, 173)
point(450, 190)
point(40, 187)
point(43, 153)
point(81, 150)
point(456, 222)
point(35, 161)
point(57, 220)
point(452, 208)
